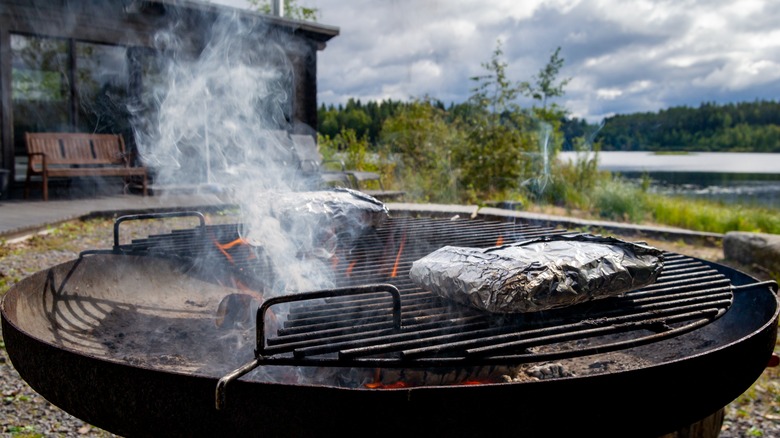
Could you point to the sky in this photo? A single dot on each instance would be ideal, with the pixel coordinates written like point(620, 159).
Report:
point(621, 56)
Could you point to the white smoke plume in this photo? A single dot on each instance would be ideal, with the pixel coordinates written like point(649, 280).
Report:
point(218, 122)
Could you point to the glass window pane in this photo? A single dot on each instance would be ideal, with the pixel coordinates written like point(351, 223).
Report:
point(102, 84)
point(39, 86)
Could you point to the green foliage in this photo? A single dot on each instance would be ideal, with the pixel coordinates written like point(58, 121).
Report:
point(494, 92)
point(497, 158)
point(580, 185)
point(291, 9)
point(574, 183)
point(546, 86)
point(741, 127)
point(484, 149)
point(425, 144)
point(365, 119)
point(353, 151)
point(711, 216)
point(616, 199)
point(501, 138)
point(23, 431)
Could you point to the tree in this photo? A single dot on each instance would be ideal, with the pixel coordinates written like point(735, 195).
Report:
point(291, 9)
point(422, 140)
point(494, 91)
point(545, 85)
point(499, 140)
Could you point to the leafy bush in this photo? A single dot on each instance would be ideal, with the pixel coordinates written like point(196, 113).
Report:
point(352, 150)
point(425, 143)
point(617, 199)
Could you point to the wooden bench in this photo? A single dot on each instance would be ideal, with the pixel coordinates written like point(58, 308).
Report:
point(57, 154)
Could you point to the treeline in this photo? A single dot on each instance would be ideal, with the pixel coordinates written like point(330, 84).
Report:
point(736, 127)
point(364, 119)
point(490, 149)
point(485, 148)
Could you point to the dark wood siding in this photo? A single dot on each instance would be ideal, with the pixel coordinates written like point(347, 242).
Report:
point(134, 24)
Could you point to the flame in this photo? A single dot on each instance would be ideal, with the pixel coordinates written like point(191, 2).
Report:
point(351, 267)
point(394, 273)
point(240, 242)
point(500, 241)
point(233, 307)
point(377, 383)
point(380, 385)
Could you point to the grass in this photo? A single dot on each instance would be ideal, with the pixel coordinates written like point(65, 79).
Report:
point(599, 194)
point(714, 217)
point(672, 153)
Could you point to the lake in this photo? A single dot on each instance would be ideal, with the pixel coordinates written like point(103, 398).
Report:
point(743, 178)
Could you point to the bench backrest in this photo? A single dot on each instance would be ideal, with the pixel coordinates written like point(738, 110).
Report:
point(75, 148)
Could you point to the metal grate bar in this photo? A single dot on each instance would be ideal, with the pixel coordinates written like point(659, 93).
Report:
point(362, 329)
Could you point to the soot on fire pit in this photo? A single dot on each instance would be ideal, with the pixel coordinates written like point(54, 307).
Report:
point(147, 312)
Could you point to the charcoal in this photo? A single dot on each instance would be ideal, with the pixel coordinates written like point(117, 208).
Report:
point(538, 274)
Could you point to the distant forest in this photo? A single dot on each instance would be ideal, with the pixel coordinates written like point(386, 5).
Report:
point(739, 127)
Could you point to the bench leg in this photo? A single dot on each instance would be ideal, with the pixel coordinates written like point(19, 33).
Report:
point(45, 185)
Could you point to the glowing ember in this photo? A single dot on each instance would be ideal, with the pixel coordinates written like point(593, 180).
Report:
point(380, 385)
point(394, 274)
point(350, 268)
point(224, 248)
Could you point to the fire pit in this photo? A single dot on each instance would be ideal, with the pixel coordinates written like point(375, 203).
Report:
point(139, 340)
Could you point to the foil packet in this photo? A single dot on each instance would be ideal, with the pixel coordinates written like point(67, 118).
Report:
point(311, 221)
point(538, 274)
point(337, 207)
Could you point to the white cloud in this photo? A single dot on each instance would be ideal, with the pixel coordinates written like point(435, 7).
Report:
point(608, 93)
point(623, 55)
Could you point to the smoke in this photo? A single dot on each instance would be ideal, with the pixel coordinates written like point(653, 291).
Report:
point(217, 112)
point(220, 125)
point(219, 122)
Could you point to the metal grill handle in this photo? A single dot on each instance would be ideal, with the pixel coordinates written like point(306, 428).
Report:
point(221, 390)
point(325, 293)
point(164, 215)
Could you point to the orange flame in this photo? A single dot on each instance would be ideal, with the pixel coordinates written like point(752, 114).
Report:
point(351, 267)
point(377, 383)
point(394, 273)
point(473, 382)
point(500, 241)
point(225, 247)
point(380, 385)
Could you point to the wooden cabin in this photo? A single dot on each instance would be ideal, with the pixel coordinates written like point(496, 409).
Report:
point(82, 65)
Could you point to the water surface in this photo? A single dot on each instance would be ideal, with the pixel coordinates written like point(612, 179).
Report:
point(733, 177)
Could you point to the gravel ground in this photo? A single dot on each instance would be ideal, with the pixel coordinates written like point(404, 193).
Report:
point(24, 413)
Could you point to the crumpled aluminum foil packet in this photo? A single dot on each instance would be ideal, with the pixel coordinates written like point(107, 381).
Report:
point(538, 274)
point(334, 205)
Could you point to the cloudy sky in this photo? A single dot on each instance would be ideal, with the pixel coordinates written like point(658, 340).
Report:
point(622, 56)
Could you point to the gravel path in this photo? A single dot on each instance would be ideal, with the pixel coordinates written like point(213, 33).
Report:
point(24, 413)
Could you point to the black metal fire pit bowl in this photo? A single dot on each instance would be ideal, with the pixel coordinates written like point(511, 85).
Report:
point(51, 322)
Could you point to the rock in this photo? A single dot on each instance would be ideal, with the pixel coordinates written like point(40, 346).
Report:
point(753, 249)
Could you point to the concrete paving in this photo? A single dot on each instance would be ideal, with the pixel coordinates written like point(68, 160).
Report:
point(20, 217)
